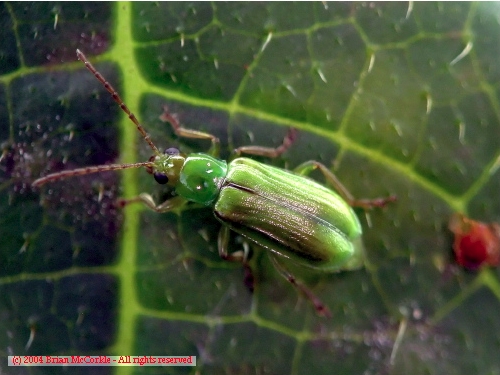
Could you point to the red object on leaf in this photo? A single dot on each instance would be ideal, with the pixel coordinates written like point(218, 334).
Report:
point(476, 243)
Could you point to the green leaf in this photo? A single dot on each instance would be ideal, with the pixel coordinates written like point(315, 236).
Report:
point(397, 98)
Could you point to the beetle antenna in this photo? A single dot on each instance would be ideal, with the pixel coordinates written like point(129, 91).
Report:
point(87, 170)
point(117, 99)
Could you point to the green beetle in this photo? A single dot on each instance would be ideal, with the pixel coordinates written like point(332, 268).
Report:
point(286, 213)
point(290, 215)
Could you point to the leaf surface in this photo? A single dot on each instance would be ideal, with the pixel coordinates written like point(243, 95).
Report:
point(394, 98)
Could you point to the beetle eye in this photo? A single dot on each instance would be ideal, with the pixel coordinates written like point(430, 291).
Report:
point(171, 151)
point(161, 178)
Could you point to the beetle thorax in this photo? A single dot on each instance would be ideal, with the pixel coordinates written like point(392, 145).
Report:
point(201, 178)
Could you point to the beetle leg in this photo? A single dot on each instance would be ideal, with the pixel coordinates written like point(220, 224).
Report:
point(319, 306)
point(180, 131)
point(146, 199)
point(237, 256)
point(270, 152)
point(308, 166)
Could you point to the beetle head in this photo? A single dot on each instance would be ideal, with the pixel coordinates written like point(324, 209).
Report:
point(166, 167)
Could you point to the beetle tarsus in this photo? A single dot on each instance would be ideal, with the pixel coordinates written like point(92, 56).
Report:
point(321, 309)
point(307, 167)
point(319, 306)
point(249, 279)
point(122, 202)
point(168, 205)
point(270, 152)
point(371, 203)
point(183, 132)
